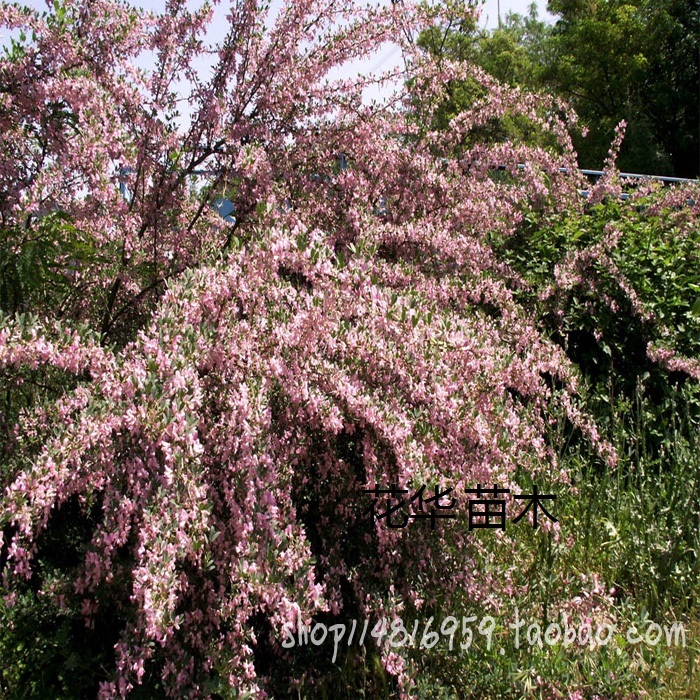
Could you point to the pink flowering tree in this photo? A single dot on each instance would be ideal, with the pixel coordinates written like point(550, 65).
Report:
point(207, 398)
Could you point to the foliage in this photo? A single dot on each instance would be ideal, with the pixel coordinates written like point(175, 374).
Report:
point(207, 399)
point(617, 287)
point(611, 60)
point(609, 284)
point(194, 413)
point(41, 264)
point(635, 60)
point(511, 54)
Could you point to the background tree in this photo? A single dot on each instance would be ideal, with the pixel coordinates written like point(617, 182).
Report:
point(611, 60)
point(635, 60)
point(513, 54)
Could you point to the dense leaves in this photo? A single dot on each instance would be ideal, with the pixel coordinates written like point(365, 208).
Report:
point(636, 61)
point(194, 405)
point(611, 60)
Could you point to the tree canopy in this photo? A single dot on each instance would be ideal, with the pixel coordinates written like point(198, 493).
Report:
point(636, 60)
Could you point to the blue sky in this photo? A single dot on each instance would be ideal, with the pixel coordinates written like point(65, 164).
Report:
point(489, 13)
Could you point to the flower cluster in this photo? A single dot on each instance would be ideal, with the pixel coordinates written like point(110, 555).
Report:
point(228, 388)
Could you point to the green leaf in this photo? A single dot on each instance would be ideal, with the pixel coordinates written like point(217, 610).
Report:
point(695, 309)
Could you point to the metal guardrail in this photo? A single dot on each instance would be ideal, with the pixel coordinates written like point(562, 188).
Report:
point(634, 176)
point(625, 176)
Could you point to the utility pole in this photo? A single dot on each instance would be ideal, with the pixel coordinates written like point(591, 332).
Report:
point(499, 13)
